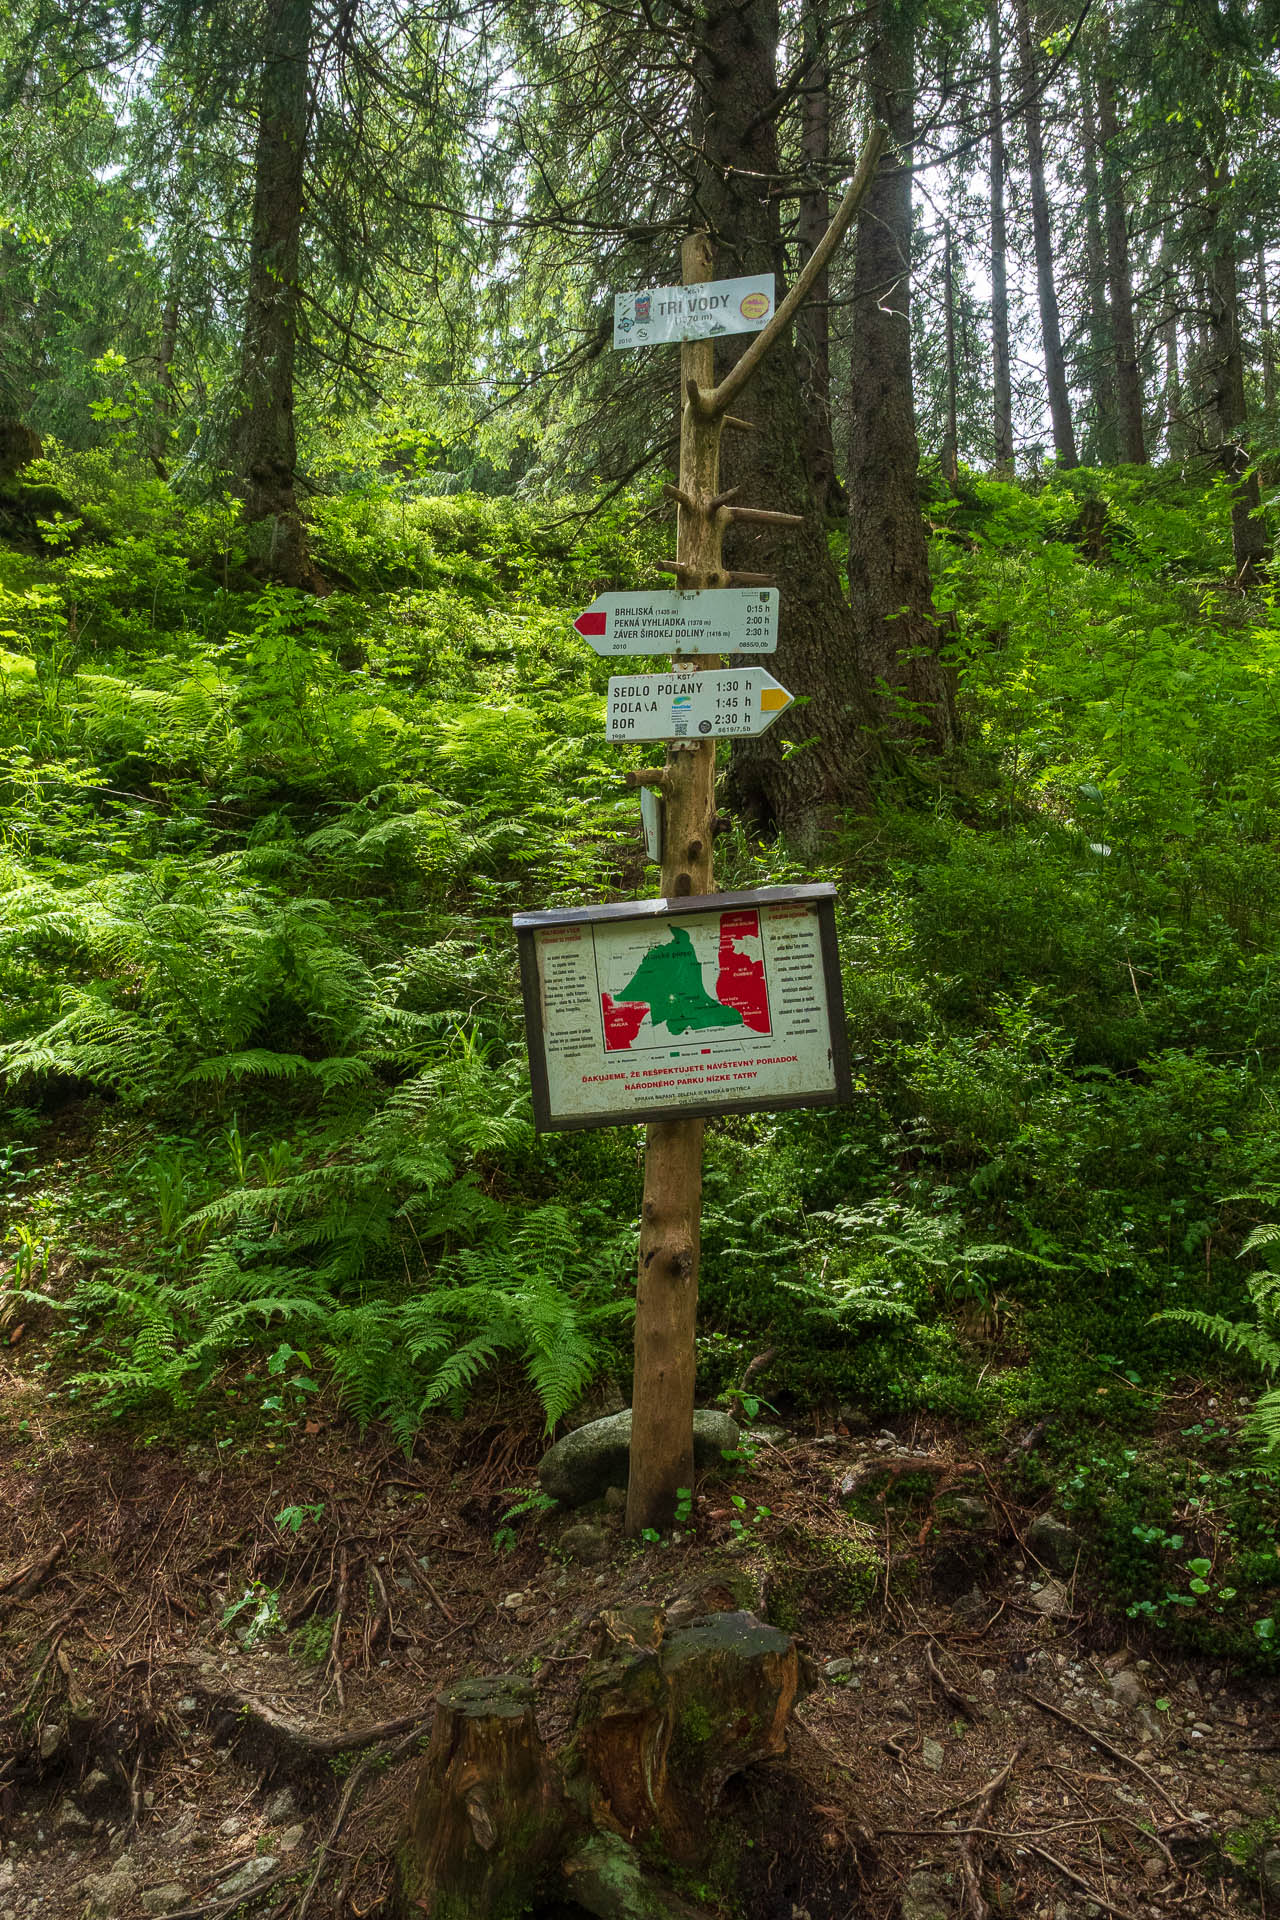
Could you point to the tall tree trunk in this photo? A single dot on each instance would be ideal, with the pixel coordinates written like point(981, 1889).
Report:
point(1105, 450)
point(951, 439)
point(1268, 345)
point(735, 133)
point(264, 444)
point(1172, 381)
point(1064, 439)
point(813, 325)
point(1119, 276)
point(1001, 381)
point(898, 634)
point(166, 348)
point(1248, 529)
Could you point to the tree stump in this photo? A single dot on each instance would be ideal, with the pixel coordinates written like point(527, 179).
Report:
point(661, 1727)
point(487, 1813)
point(663, 1720)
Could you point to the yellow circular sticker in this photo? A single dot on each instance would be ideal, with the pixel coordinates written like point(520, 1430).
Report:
point(754, 306)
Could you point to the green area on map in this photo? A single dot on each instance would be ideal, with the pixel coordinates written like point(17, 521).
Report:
point(669, 981)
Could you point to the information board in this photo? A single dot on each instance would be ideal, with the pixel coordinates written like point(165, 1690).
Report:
point(699, 311)
point(718, 704)
point(715, 620)
point(662, 1009)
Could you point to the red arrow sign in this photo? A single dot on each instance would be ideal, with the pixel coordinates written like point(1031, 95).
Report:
point(594, 620)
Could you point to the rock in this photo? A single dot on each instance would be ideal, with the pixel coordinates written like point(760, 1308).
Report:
point(108, 1893)
point(165, 1899)
point(973, 1605)
point(836, 1669)
point(591, 1545)
point(98, 1786)
point(1153, 1868)
point(291, 1837)
point(51, 1739)
point(615, 1499)
point(1127, 1688)
point(963, 1510)
point(933, 1753)
point(230, 1827)
point(247, 1877)
point(925, 1898)
point(512, 1602)
point(280, 1807)
point(1269, 1866)
point(768, 1436)
point(70, 1819)
point(584, 1465)
point(1055, 1543)
point(1051, 1599)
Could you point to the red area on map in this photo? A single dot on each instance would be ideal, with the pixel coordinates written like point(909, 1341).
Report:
point(740, 981)
point(622, 1020)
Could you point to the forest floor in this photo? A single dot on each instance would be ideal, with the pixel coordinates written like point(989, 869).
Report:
point(971, 1711)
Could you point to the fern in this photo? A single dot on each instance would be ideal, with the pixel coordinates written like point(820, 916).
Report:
point(1257, 1340)
point(523, 1294)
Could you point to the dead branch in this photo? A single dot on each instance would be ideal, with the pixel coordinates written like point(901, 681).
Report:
point(974, 1897)
point(963, 1704)
point(1078, 1879)
point(277, 1732)
point(334, 1664)
point(354, 1783)
point(27, 1580)
point(1117, 1753)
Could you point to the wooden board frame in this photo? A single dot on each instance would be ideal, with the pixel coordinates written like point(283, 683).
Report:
point(819, 894)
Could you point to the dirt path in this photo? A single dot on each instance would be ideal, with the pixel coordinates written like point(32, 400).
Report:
point(975, 1742)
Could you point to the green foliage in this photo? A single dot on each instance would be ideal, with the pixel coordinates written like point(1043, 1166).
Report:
point(1257, 1340)
point(258, 994)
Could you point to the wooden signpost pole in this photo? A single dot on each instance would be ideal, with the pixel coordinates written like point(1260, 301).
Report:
point(671, 1213)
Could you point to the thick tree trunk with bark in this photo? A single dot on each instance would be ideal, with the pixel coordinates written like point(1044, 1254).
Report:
point(1128, 374)
point(1001, 380)
point(735, 131)
point(898, 634)
point(1227, 412)
point(264, 444)
point(813, 327)
point(1105, 448)
point(1055, 370)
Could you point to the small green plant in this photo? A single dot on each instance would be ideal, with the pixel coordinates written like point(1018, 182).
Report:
point(290, 1395)
point(292, 1519)
point(739, 1525)
point(311, 1641)
point(262, 1604)
point(535, 1501)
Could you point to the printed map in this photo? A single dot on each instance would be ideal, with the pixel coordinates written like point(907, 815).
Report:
point(687, 981)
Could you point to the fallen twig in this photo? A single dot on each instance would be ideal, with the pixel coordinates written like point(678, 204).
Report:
point(357, 1777)
point(228, 1902)
point(969, 1708)
point(1078, 1879)
point(334, 1663)
point(22, 1584)
point(420, 1574)
point(969, 1874)
point(1117, 1753)
point(278, 1729)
